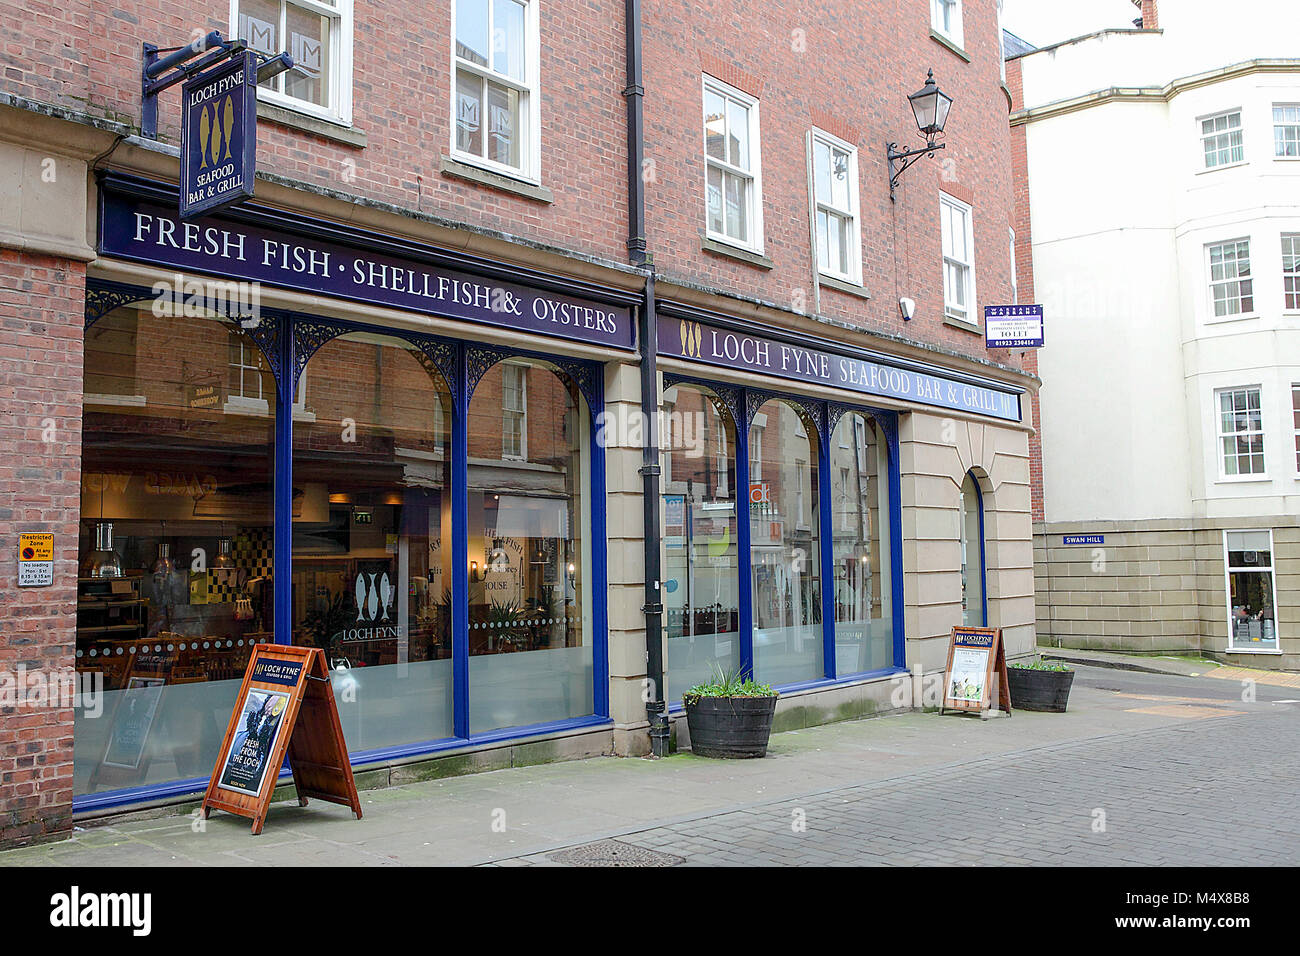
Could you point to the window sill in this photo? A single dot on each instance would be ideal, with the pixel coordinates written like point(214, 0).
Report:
point(962, 324)
point(746, 256)
point(1243, 480)
point(506, 184)
point(1253, 650)
point(843, 285)
point(950, 44)
point(1216, 169)
point(1229, 319)
point(306, 123)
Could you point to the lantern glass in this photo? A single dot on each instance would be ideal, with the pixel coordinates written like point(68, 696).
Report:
point(930, 106)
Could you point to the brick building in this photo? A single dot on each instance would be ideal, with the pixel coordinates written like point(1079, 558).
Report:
point(393, 406)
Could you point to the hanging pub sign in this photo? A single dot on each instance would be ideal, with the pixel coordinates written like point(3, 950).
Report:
point(285, 709)
point(219, 136)
point(1013, 326)
point(977, 669)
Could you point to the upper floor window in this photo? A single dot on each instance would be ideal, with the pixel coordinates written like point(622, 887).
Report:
point(1241, 432)
point(1291, 272)
point(495, 96)
point(1221, 139)
point(1286, 131)
point(318, 35)
point(734, 186)
point(514, 411)
point(1295, 420)
point(835, 188)
point(945, 18)
point(958, 259)
point(1231, 286)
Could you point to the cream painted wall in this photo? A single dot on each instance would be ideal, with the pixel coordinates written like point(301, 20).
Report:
point(1122, 212)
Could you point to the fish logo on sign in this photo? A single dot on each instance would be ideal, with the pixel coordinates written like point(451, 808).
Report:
point(216, 126)
point(371, 596)
point(691, 335)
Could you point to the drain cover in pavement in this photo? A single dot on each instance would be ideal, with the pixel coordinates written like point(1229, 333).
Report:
point(613, 853)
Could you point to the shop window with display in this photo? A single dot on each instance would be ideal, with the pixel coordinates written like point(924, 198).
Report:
point(174, 586)
point(700, 572)
point(785, 555)
point(1252, 609)
point(371, 536)
point(530, 549)
point(864, 621)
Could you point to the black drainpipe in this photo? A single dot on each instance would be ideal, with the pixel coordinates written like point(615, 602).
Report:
point(647, 334)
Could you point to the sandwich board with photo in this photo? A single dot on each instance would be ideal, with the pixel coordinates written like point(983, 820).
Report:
point(285, 709)
point(977, 668)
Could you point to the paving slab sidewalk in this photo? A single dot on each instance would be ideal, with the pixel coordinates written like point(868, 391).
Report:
point(528, 810)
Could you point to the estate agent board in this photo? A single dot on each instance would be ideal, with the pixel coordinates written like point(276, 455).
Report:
point(285, 709)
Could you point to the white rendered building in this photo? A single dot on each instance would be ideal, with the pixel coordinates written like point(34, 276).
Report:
point(1163, 173)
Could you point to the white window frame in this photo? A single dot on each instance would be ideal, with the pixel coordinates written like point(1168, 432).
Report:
point(341, 76)
point(971, 316)
point(1203, 137)
point(1293, 239)
point(1286, 157)
point(530, 111)
point(1295, 420)
point(956, 33)
point(1241, 313)
point(1221, 435)
point(853, 213)
point(1015, 279)
point(754, 243)
point(1227, 592)
point(241, 404)
point(522, 371)
point(756, 448)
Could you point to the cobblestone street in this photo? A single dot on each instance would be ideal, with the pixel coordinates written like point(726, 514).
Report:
point(1145, 769)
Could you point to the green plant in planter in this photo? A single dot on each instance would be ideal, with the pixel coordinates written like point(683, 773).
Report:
point(727, 684)
point(1040, 666)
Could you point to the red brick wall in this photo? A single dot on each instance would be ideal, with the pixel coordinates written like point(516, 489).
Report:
point(41, 306)
point(86, 57)
point(1025, 274)
point(1150, 15)
point(848, 65)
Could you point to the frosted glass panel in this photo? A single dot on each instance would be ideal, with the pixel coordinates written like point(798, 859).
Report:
point(394, 705)
point(512, 690)
point(149, 734)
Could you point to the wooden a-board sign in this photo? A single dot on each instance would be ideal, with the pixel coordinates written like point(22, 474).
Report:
point(285, 708)
point(977, 662)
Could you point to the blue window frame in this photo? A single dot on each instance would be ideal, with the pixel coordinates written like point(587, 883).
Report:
point(820, 420)
point(287, 343)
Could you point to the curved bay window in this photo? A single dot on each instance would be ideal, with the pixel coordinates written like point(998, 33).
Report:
point(700, 573)
point(372, 535)
point(784, 519)
point(174, 585)
point(864, 622)
point(530, 541)
point(973, 608)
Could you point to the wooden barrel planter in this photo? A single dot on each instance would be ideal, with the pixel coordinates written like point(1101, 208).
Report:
point(730, 727)
point(1042, 690)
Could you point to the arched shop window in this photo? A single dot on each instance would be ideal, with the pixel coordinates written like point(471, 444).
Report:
point(859, 482)
point(973, 608)
point(784, 520)
point(174, 583)
point(530, 539)
point(372, 535)
point(701, 586)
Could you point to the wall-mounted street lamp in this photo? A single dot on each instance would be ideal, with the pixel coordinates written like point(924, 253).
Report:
point(930, 106)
